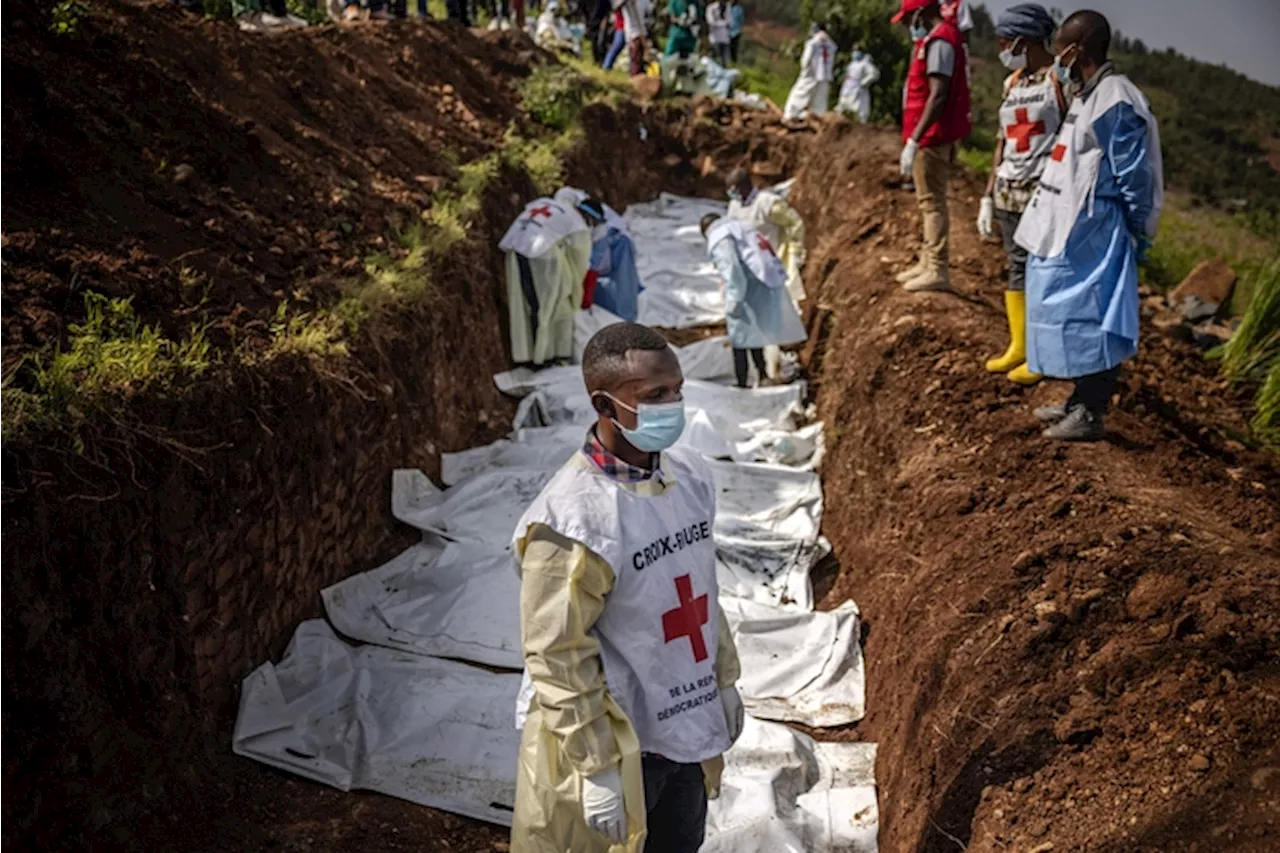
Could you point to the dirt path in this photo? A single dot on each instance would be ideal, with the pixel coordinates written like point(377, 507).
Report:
point(1067, 644)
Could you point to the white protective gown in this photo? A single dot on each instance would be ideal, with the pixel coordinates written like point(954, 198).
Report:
point(782, 226)
point(553, 244)
point(812, 90)
point(1101, 191)
point(855, 92)
point(758, 310)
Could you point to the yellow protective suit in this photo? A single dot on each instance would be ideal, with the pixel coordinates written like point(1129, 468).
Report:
point(574, 727)
point(557, 283)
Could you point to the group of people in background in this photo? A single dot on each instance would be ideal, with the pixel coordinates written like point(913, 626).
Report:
point(571, 251)
point(1076, 189)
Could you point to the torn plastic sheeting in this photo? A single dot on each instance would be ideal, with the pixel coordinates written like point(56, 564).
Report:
point(800, 667)
point(447, 599)
point(461, 600)
point(439, 733)
point(431, 731)
point(767, 520)
point(682, 289)
point(552, 447)
point(782, 791)
point(559, 401)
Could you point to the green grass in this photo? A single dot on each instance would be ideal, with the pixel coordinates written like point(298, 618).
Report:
point(767, 72)
point(1253, 353)
point(1188, 235)
point(109, 357)
point(113, 355)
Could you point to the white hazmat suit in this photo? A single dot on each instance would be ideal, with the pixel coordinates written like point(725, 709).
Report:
point(855, 92)
point(812, 90)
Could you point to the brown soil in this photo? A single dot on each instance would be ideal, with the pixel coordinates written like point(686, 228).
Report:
point(1066, 645)
point(150, 570)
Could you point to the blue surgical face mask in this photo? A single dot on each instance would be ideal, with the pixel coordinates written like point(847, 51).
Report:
point(733, 194)
point(857, 54)
point(658, 425)
point(919, 32)
point(1062, 72)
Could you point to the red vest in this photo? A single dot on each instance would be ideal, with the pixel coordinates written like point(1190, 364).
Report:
point(954, 123)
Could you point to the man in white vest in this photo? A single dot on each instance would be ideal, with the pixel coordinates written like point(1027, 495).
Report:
point(774, 217)
point(812, 90)
point(630, 697)
point(548, 249)
point(1088, 223)
point(759, 312)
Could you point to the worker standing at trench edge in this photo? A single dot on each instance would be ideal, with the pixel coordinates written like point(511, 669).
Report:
point(935, 117)
point(1087, 225)
point(1030, 116)
point(629, 698)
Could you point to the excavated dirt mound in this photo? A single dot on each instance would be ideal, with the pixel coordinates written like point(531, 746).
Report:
point(1068, 647)
point(154, 142)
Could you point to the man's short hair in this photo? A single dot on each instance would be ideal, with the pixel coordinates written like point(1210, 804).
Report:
point(707, 221)
point(738, 176)
point(1091, 30)
point(604, 361)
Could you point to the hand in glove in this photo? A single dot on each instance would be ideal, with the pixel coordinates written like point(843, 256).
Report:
point(986, 217)
point(734, 714)
point(908, 159)
point(1143, 245)
point(602, 804)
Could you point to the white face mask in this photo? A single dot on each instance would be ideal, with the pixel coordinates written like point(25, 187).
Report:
point(1013, 61)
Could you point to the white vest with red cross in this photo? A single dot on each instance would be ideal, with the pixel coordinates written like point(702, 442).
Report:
point(1071, 173)
point(660, 626)
point(754, 249)
point(543, 223)
point(1029, 121)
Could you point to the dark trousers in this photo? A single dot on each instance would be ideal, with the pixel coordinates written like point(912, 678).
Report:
point(734, 41)
point(723, 52)
point(740, 364)
point(677, 805)
point(1008, 220)
point(458, 12)
point(1094, 391)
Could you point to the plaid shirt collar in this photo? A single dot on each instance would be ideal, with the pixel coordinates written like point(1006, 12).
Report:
point(619, 469)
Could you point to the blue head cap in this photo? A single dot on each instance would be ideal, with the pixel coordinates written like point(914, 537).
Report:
point(593, 207)
point(1028, 20)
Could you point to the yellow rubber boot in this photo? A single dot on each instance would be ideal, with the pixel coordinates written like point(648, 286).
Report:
point(1023, 376)
point(1015, 308)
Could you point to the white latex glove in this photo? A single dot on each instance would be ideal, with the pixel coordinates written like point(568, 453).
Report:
point(734, 714)
point(602, 804)
point(986, 217)
point(908, 158)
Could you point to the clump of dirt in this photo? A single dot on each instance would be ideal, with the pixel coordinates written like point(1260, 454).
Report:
point(1068, 647)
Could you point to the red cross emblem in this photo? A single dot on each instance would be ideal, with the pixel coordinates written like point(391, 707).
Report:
point(1023, 129)
point(1059, 151)
point(687, 619)
point(763, 244)
point(545, 210)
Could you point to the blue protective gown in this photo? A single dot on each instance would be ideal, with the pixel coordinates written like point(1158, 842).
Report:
point(1082, 305)
point(613, 256)
point(757, 315)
